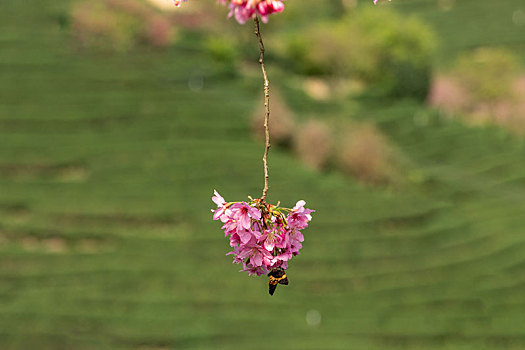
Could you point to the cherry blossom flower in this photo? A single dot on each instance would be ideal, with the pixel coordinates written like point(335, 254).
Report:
point(243, 213)
point(221, 206)
point(299, 217)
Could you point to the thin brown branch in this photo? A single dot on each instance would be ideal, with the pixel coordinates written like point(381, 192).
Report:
point(266, 108)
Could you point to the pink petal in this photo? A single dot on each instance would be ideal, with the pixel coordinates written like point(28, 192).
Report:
point(244, 221)
point(217, 199)
point(269, 245)
point(245, 236)
point(256, 259)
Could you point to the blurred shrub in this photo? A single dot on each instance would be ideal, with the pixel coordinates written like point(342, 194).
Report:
point(313, 144)
point(484, 87)
point(449, 95)
point(332, 49)
point(373, 44)
point(222, 49)
point(366, 154)
point(282, 123)
point(94, 26)
point(119, 25)
point(488, 74)
point(159, 31)
point(405, 47)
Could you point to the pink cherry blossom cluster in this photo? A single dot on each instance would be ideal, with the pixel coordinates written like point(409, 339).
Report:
point(263, 236)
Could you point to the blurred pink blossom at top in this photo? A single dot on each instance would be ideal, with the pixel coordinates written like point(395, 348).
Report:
point(244, 10)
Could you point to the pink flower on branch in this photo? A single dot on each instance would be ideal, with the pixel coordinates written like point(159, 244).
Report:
point(264, 237)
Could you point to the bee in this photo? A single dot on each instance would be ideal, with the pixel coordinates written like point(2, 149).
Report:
point(277, 276)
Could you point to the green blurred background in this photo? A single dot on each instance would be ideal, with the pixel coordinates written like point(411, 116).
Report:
point(113, 135)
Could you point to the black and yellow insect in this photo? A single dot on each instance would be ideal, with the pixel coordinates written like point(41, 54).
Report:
point(277, 276)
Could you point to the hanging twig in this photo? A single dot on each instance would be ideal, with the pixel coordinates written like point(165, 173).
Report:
point(266, 107)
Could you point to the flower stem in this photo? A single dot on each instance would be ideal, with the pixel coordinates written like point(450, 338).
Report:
point(266, 107)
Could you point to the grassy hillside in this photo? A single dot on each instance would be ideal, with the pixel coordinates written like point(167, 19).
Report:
point(107, 165)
